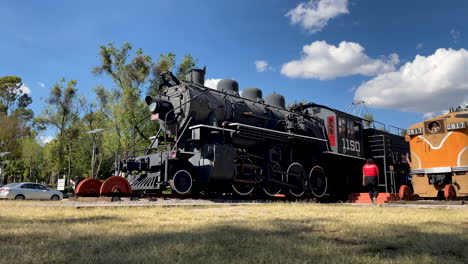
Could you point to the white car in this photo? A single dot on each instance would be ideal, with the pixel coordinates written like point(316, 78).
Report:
point(29, 191)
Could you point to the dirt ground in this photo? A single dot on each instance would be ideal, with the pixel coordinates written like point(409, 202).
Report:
point(83, 202)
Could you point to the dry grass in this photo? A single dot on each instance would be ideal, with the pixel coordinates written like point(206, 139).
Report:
point(269, 233)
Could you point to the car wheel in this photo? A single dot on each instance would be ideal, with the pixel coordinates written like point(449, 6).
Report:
point(55, 198)
point(19, 197)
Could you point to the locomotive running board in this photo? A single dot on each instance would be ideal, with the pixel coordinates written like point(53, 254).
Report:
point(276, 134)
point(344, 155)
point(211, 127)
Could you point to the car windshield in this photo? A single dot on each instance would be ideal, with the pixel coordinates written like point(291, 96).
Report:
point(11, 185)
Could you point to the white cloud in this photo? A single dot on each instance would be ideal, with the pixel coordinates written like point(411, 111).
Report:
point(455, 34)
point(25, 89)
point(427, 84)
point(45, 139)
point(419, 45)
point(41, 84)
point(430, 115)
point(314, 15)
point(212, 83)
point(323, 61)
point(261, 65)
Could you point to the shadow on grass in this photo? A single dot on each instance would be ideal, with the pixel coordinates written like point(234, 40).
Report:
point(66, 221)
point(273, 241)
point(402, 240)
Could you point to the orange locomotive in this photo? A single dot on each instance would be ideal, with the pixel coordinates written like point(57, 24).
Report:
point(439, 155)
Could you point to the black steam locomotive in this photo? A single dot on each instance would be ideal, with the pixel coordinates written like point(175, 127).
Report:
point(220, 140)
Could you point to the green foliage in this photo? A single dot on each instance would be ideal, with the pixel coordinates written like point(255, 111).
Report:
point(370, 119)
point(32, 158)
point(9, 92)
point(62, 112)
point(115, 109)
point(122, 105)
point(167, 62)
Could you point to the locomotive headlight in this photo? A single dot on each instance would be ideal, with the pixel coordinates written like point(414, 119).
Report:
point(153, 106)
point(458, 125)
point(158, 105)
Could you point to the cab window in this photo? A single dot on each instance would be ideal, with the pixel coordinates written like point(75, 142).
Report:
point(342, 127)
point(357, 131)
point(350, 129)
point(331, 127)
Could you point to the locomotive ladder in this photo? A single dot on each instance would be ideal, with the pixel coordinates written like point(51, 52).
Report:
point(380, 148)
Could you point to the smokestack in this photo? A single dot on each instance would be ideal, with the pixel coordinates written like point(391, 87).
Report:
point(196, 76)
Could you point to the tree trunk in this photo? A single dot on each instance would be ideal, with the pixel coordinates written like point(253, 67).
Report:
point(69, 163)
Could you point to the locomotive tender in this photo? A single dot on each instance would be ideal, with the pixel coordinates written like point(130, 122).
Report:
point(220, 141)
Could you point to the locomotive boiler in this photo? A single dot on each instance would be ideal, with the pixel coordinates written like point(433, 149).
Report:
point(211, 137)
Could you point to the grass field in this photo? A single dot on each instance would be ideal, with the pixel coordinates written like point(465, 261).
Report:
point(265, 233)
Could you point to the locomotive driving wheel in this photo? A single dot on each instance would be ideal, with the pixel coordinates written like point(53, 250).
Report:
point(296, 175)
point(318, 181)
point(245, 171)
point(181, 182)
point(271, 188)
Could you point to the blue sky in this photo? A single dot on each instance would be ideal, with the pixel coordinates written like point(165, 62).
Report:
point(390, 51)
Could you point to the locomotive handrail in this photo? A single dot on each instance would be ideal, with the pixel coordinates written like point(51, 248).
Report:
point(154, 140)
point(373, 124)
point(397, 128)
point(278, 132)
point(133, 132)
point(183, 131)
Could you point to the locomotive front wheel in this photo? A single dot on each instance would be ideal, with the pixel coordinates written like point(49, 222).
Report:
point(449, 192)
point(296, 175)
point(404, 192)
point(181, 182)
point(276, 173)
point(318, 181)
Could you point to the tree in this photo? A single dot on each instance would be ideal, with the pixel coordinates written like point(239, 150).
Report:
point(13, 99)
point(121, 107)
point(9, 92)
point(369, 119)
point(167, 62)
point(61, 112)
point(123, 104)
point(11, 133)
point(32, 158)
